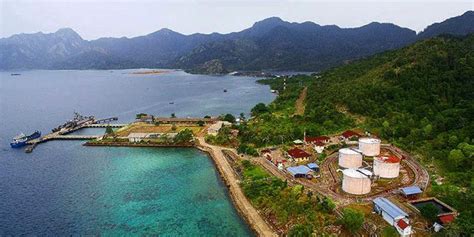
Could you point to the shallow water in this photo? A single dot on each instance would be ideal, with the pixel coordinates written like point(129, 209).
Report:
point(64, 188)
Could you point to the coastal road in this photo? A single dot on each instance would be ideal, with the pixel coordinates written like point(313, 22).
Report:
point(244, 206)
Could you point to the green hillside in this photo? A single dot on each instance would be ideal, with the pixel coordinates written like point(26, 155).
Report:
point(420, 98)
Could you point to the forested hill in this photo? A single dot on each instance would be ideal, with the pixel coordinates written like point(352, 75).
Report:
point(420, 98)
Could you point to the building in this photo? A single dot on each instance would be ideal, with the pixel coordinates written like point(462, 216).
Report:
point(298, 155)
point(298, 142)
point(300, 171)
point(411, 191)
point(136, 137)
point(387, 166)
point(356, 181)
point(320, 139)
point(313, 166)
point(369, 146)
point(215, 127)
point(349, 158)
point(349, 135)
point(392, 214)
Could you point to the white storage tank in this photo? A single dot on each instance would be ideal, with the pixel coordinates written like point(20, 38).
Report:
point(369, 146)
point(349, 158)
point(356, 181)
point(387, 166)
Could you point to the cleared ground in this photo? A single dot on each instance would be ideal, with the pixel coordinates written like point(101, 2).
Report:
point(151, 128)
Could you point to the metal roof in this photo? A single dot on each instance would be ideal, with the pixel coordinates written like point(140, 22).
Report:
point(301, 169)
point(411, 190)
point(312, 165)
point(388, 207)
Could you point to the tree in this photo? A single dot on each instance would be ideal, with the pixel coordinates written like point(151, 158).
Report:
point(200, 123)
point(389, 231)
point(260, 108)
point(242, 117)
point(229, 118)
point(430, 212)
point(140, 115)
point(173, 115)
point(300, 230)
point(109, 130)
point(352, 220)
point(456, 158)
point(183, 136)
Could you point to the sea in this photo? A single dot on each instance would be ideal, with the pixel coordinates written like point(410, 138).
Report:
point(63, 188)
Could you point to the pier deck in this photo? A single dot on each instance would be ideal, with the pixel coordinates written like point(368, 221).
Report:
point(62, 134)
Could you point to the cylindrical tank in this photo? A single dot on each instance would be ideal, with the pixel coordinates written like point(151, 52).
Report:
point(348, 158)
point(369, 146)
point(387, 166)
point(355, 182)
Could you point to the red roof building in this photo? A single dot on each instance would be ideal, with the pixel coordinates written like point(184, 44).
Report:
point(402, 224)
point(320, 139)
point(349, 133)
point(446, 219)
point(298, 153)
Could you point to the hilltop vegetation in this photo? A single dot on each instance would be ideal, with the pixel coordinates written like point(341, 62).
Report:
point(420, 98)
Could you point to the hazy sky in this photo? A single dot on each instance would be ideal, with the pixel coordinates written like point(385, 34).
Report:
point(117, 18)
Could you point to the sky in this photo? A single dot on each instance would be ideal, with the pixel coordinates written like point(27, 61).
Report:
point(118, 18)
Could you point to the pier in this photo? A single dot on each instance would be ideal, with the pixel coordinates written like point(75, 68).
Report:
point(79, 122)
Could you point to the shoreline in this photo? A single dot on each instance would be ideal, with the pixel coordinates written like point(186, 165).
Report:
point(245, 209)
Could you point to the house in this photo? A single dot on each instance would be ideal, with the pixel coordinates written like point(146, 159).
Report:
point(313, 166)
point(411, 191)
point(137, 137)
point(348, 135)
point(300, 171)
point(319, 147)
point(298, 155)
point(393, 215)
point(320, 139)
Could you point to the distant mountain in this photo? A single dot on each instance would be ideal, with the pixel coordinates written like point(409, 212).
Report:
point(460, 25)
point(269, 44)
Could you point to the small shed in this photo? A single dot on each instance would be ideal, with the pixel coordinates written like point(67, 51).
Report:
point(298, 142)
point(411, 191)
point(300, 171)
point(313, 167)
point(137, 137)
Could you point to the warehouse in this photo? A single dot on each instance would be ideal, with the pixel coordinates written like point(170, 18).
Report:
point(300, 171)
point(393, 215)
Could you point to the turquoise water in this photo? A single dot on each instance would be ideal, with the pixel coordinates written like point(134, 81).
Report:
point(64, 188)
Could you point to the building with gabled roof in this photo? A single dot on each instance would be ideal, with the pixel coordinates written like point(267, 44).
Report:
point(393, 215)
point(298, 154)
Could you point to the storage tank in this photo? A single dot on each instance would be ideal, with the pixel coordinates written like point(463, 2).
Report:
point(387, 166)
point(349, 158)
point(369, 146)
point(355, 182)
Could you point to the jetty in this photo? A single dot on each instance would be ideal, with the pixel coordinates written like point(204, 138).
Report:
point(78, 122)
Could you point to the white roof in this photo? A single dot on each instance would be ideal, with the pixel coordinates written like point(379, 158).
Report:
point(355, 173)
point(369, 140)
point(297, 141)
point(138, 134)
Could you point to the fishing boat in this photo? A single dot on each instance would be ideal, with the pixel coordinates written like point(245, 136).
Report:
point(22, 139)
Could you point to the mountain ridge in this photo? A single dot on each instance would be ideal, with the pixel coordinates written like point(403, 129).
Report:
point(271, 43)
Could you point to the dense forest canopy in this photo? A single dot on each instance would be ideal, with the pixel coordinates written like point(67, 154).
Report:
point(420, 98)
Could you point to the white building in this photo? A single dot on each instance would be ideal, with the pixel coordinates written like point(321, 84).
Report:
point(137, 136)
point(393, 215)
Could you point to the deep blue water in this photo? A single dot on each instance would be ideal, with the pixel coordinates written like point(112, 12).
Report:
point(63, 188)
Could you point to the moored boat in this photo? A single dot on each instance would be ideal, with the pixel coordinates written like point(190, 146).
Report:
point(22, 139)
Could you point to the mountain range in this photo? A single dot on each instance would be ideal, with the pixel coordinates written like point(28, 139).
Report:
point(270, 44)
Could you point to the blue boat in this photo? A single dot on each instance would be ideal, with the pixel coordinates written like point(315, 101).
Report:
point(22, 139)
